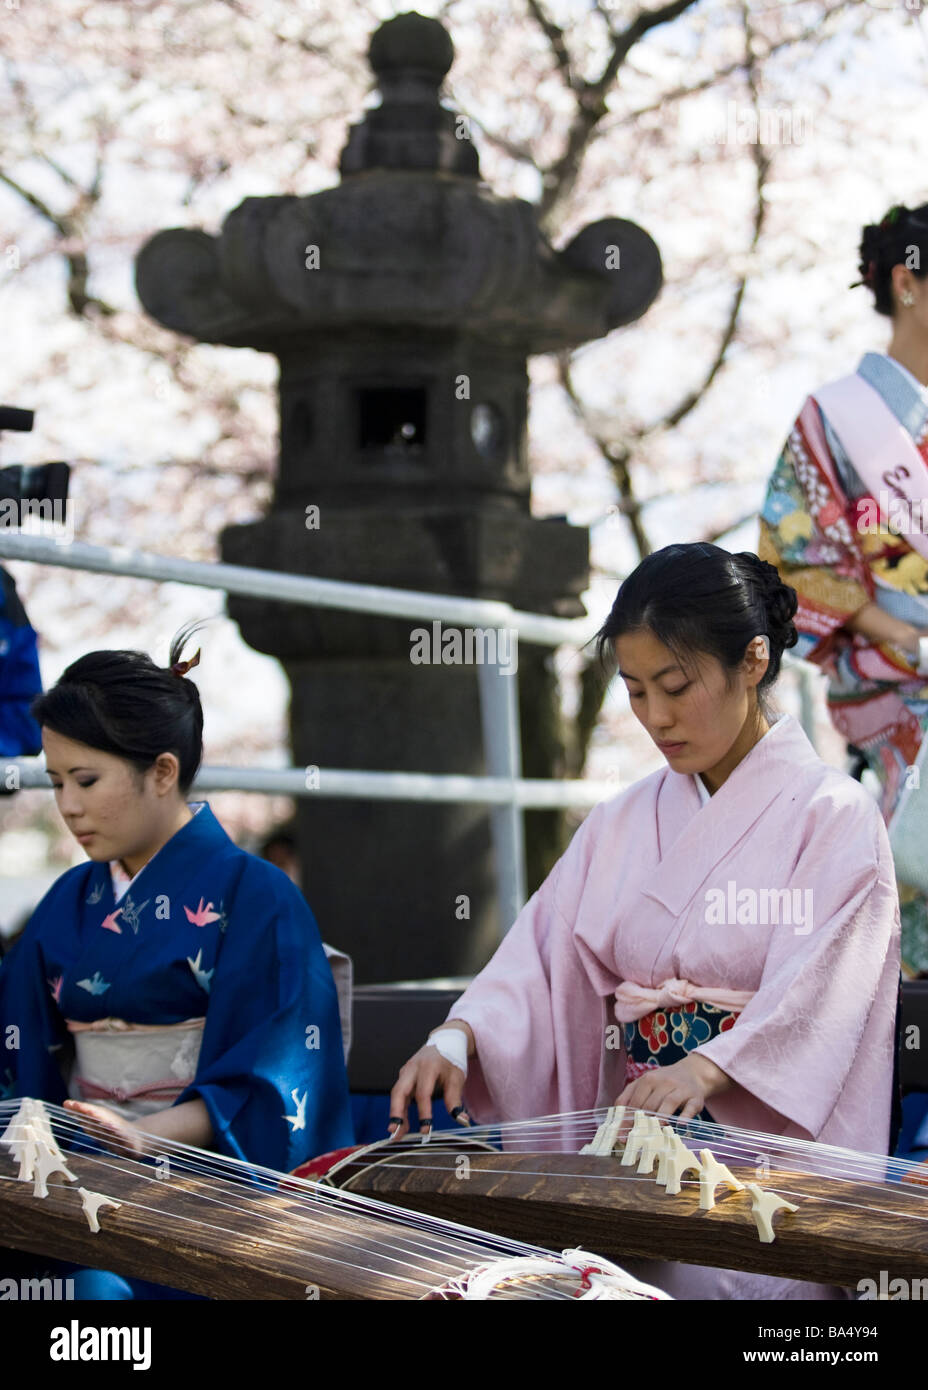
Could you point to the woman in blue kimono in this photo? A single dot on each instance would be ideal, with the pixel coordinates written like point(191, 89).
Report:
point(174, 985)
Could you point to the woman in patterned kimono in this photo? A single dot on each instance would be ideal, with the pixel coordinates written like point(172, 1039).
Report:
point(844, 521)
point(721, 939)
point(173, 987)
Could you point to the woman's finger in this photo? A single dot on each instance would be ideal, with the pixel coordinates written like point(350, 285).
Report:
point(454, 1096)
point(83, 1108)
point(670, 1099)
point(108, 1128)
point(427, 1083)
point(400, 1097)
point(692, 1108)
point(94, 1113)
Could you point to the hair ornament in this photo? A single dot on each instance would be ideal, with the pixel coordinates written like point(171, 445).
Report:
point(896, 212)
point(180, 668)
point(868, 278)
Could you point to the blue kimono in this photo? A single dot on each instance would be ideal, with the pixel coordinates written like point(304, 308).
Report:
point(205, 930)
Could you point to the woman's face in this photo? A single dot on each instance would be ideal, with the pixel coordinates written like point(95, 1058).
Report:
point(108, 807)
point(697, 718)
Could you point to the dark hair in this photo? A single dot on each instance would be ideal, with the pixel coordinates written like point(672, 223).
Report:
point(282, 837)
point(889, 243)
point(701, 598)
point(122, 703)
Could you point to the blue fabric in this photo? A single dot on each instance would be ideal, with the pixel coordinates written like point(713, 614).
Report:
point(371, 1114)
point(255, 967)
point(913, 1137)
point(665, 1036)
point(906, 400)
point(74, 1283)
point(20, 680)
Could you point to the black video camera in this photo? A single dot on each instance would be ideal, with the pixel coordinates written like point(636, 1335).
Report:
point(38, 482)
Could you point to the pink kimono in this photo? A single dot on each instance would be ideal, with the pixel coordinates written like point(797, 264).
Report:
point(651, 889)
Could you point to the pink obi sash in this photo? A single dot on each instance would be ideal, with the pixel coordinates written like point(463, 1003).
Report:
point(136, 1068)
point(883, 453)
point(634, 1001)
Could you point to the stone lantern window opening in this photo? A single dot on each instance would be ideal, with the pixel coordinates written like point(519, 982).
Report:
point(392, 418)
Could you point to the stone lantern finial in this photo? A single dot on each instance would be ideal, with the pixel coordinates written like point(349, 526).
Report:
point(410, 129)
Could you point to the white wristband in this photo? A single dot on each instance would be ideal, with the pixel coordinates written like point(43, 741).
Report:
point(922, 663)
point(452, 1044)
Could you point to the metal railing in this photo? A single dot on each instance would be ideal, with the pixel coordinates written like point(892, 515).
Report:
point(503, 789)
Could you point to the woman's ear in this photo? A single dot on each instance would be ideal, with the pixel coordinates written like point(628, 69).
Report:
point(166, 773)
point(902, 280)
point(757, 659)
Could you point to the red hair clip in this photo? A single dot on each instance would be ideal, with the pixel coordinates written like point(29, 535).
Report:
point(180, 668)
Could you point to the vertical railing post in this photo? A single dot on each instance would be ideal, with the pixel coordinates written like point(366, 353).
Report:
point(806, 703)
point(499, 713)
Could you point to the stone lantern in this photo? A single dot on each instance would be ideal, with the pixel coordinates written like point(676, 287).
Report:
point(402, 306)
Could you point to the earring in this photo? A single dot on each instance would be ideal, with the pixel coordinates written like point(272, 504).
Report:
point(908, 298)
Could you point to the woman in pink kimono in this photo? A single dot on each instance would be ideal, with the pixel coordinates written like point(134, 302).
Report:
point(731, 919)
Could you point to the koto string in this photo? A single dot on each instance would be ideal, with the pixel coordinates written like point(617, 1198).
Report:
point(449, 1248)
point(716, 1136)
point(459, 1251)
point(854, 1162)
point(648, 1179)
point(307, 1194)
point(476, 1248)
point(586, 1122)
point(860, 1169)
point(853, 1165)
point(856, 1168)
point(525, 1135)
point(723, 1147)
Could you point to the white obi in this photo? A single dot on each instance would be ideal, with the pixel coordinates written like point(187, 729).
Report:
point(134, 1068)
point(138, 1068)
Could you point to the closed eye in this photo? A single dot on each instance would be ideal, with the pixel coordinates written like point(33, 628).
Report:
point(639, 694)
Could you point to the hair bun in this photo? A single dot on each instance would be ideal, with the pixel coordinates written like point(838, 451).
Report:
point(779, 601)
point(888, 243)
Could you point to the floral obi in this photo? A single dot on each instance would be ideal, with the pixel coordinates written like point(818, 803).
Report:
point(666, 1035)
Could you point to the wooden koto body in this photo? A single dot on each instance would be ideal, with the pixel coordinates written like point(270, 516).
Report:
point(216, 1237)
point(844, 1231)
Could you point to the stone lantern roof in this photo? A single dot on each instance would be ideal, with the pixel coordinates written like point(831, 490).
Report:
point(410, 239)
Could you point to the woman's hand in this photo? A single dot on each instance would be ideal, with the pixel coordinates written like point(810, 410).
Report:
point(108, 1128)
point(880, 627)
point(683, 1086)
point(188, 1123)
point(426, 1074)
